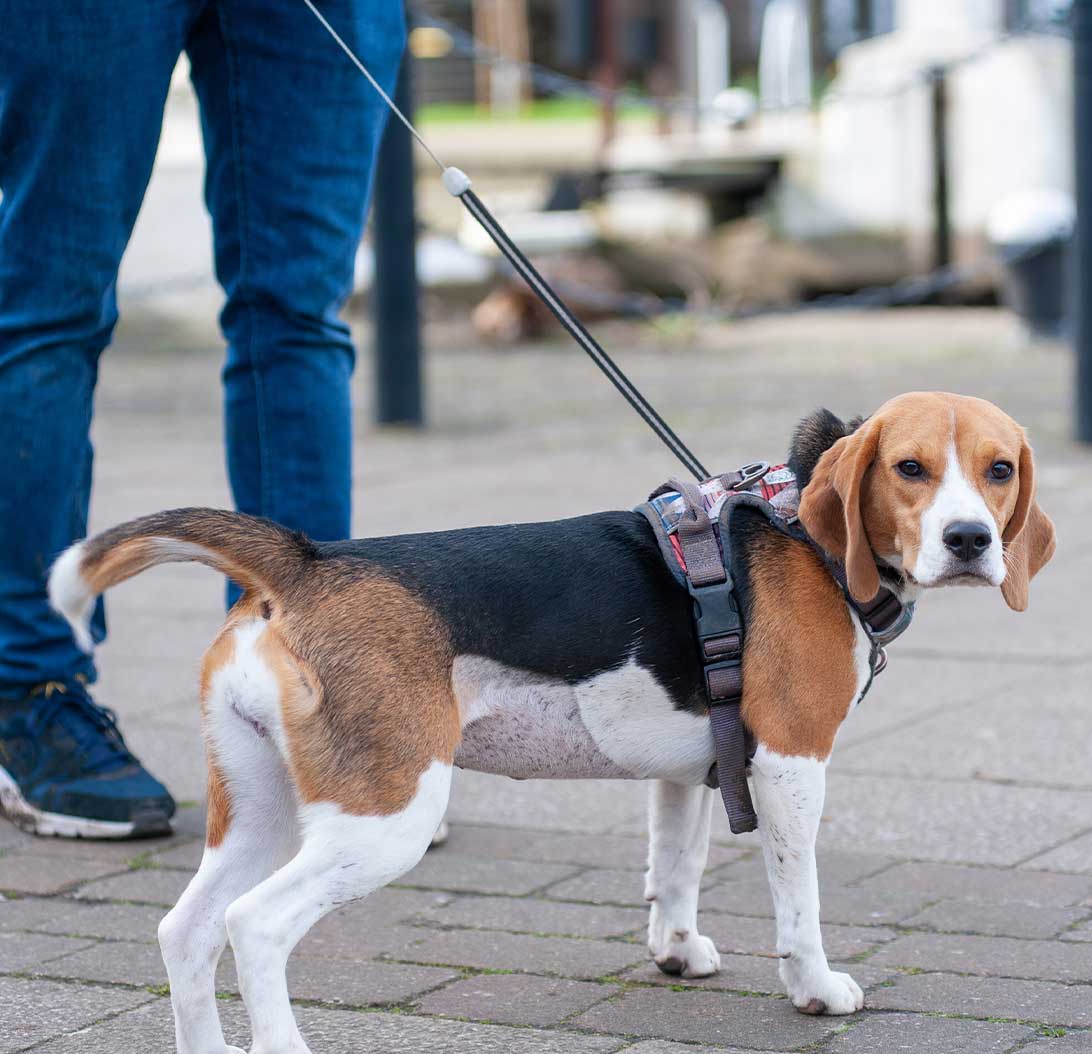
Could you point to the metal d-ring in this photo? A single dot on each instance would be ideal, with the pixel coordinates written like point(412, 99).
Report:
point(751, 473)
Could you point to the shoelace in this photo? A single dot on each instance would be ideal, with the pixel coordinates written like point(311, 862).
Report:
point(94, 727)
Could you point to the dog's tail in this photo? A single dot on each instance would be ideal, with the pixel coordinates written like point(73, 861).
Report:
point(258, 554)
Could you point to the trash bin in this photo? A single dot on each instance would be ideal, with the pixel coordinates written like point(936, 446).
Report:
point(1032, 233)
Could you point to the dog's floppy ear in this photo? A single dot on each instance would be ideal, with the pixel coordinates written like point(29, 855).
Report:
point(1028, 537)
point(830, 507)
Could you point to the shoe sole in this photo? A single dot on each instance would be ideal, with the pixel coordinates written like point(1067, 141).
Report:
point(59, 825)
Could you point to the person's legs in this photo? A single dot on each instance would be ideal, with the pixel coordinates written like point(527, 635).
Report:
point(82, 88)
point(291, 132)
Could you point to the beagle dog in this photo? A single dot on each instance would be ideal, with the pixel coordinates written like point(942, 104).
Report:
point(352, 676)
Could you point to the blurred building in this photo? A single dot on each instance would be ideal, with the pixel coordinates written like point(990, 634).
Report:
point(1008, 103)
point(856, 151)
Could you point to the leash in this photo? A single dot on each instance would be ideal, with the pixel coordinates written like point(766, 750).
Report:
point(457, 184)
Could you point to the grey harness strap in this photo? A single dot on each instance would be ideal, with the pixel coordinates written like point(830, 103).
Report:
point(707, 553)
point(718, 623)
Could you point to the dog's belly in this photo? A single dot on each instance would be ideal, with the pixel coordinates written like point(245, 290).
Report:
point(620, 724)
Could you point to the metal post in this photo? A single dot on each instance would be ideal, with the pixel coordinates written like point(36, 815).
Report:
point(608, 71)
point(394, 290)
point(942, 230)
point(862, 19)
point(817, 24)
point(1082, 284)
point(741, 38)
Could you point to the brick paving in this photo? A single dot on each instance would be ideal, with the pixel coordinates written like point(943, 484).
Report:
point(956, 849)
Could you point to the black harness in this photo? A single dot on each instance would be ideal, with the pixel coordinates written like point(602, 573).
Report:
point(708, 558)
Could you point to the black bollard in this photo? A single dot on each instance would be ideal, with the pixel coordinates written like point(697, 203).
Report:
point(1082, 152)
point(394, 288)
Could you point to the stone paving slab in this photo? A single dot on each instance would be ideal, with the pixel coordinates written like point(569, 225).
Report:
point(555, 805)
point(34, 1011)
point(349, 983)
point(911, 1034)
point(989, 956)
point(978, 738)
point(753, 973)
point(39, 872)
point(602, 885)
point(110, 921)
point(485, 950)
point(966, 821)
point(759, 936)
point(527, 915)
point(335, 1032)
point(1070, 1043)
point(515, 999)
point(914, 692)
point(988, 997)
point(26, 913)
point(146, 886)
point(475, 874)
point(1083, 932)
point(586, 850)
point(110, 962)
point(1074, 855)
point(707, 1017)
point(738, 973)
point(1001, 885)
point(21, 952)
point(997, 920)
point(660, 1046)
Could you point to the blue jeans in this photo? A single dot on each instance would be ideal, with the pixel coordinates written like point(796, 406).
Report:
point(291, 131)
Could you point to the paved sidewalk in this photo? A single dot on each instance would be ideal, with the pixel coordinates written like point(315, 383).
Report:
point(956, 848)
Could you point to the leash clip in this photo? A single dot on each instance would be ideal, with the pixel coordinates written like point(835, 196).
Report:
point(750, 474)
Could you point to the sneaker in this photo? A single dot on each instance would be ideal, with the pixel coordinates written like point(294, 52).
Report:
point(65, 769)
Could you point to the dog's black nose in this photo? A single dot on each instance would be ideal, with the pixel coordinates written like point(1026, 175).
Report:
point(966, 539)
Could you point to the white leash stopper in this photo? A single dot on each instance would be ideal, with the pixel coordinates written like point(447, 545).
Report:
point(456, 181)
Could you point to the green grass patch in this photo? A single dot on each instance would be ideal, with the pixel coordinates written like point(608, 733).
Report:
point(560, 109)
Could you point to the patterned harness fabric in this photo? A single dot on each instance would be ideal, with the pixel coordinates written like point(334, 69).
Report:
point(777, 486)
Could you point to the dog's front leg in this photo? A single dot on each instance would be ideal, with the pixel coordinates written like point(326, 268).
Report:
point(677, 850)
point(789, 795)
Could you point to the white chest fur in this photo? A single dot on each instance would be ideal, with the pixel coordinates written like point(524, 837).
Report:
point(618, 724)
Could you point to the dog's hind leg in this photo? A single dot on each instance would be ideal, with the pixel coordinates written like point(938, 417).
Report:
point(789, 794)
point(252, 831)
point(678, 846)
point(343, 857)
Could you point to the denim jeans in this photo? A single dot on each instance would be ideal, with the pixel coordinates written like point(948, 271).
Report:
point(291, 131)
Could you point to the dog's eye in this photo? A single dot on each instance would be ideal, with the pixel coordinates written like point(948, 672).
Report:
point(910, 469)
point(1001, 469)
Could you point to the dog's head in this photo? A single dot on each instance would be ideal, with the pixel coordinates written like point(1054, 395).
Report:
point(939, 487)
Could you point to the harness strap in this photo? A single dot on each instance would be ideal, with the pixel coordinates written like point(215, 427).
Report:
point(718, 623)
point(884, 617)
point(707, 560)
point(704, 565)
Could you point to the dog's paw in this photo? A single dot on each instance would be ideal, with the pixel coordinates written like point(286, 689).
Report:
point(693, 956)
point(827, 993)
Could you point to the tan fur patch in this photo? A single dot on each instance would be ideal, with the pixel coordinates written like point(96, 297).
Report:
point(116, 565)
point(799, 673)
point(365, 674)
point(218, 654)
point(219, 807)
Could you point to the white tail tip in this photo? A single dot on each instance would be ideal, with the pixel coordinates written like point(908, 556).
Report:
point(70, 596)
